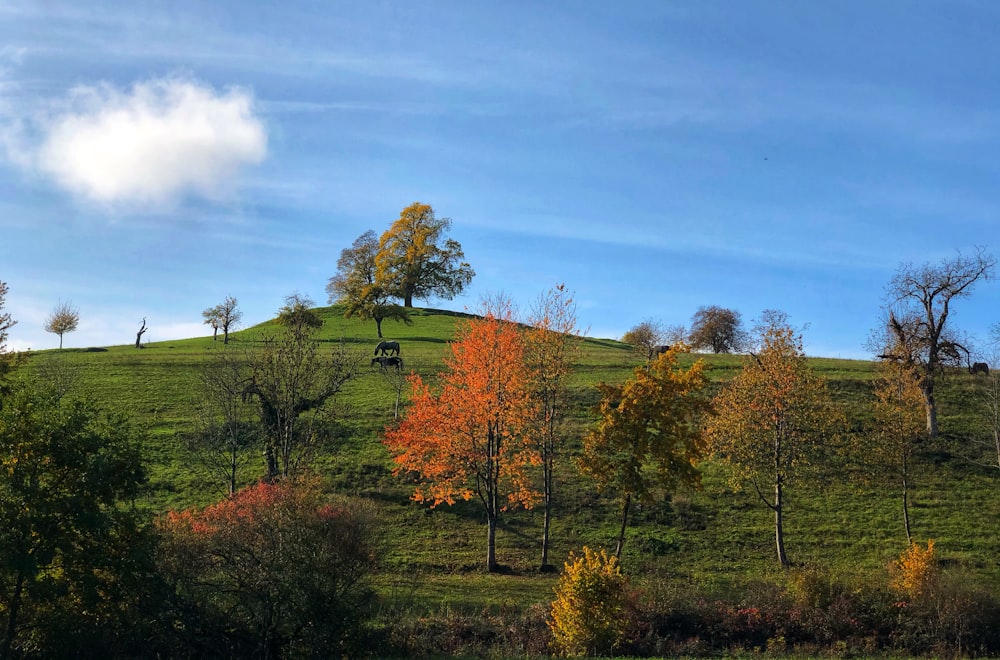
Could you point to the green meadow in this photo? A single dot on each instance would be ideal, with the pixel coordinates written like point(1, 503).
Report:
point(434, 558)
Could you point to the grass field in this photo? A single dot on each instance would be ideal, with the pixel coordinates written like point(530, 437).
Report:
point(434, 558)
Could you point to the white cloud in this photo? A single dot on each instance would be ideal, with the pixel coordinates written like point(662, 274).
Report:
point(152, 144)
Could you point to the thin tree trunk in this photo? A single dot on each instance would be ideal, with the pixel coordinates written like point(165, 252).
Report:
point(547, 517)
point(779, 530)
point(906, 511)
point(621, 533)
point(378, 327)
point(491, 543)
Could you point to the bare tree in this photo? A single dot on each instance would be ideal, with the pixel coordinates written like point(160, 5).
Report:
point(915, 328)
point(142, 331)
point(64, 318)
point(225, 433)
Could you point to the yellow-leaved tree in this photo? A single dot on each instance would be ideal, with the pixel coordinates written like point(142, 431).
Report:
point(773, 417)
point(415, 260)
point(649, 433)
point(898, 427)
point(472, 438)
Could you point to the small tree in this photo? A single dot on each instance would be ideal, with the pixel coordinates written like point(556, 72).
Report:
point(772, 418)
point(898, 427)
point(649, 433)
point(646, 338)
point(717, 329)
point(414, 259)
point(472, 439)
point(298, 315)
point(551, 344)
point(593, 607)
point(357, 284)
point(224, 316)
point(225, 435)
point(64, 318)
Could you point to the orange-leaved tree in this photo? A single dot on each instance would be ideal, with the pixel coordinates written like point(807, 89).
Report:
point(472, 439)
point(553, 343)
point(773, 417)
point(649, 434)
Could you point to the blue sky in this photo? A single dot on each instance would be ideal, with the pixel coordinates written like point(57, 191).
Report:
point(653, 156)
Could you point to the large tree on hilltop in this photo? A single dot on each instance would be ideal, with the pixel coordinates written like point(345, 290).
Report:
point(358, 286)
point(915, 330)
point(416, 261)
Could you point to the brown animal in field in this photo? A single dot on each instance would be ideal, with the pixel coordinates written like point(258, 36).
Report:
point(979, 368)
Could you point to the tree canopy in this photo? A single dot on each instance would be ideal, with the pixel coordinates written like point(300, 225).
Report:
point(358, 286)
point(649, 432)
point(415, 260)
point(717, 329)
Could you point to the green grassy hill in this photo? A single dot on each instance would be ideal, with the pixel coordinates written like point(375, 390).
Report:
point(433, 558)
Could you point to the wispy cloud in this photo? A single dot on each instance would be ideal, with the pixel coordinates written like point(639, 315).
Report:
point(150, 145)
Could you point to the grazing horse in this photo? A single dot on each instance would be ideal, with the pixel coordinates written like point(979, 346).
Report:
point(657, 351)
point(979, 368)
point(387, 347)
point(386, 362)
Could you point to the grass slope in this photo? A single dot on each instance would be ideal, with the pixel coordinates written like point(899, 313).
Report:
point(434, 557)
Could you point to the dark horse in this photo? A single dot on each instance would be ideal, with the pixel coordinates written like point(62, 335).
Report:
point(979, 368)
point(387, 347)
point(386, 362)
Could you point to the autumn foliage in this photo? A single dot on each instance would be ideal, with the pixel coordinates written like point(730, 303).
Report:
point(270, 570)
point(472, 437)
point(914, 572)
point(592, 609)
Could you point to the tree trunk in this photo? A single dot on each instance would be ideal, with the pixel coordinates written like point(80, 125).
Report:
point(930, 406)
point(621, 533)
point(779, 530)
point(906, 511)
point(378, 326)
point(547, 517)
point(225, 337)
point(60, 341)
point(491, 542)
point(408, 299)
point(271, 461)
